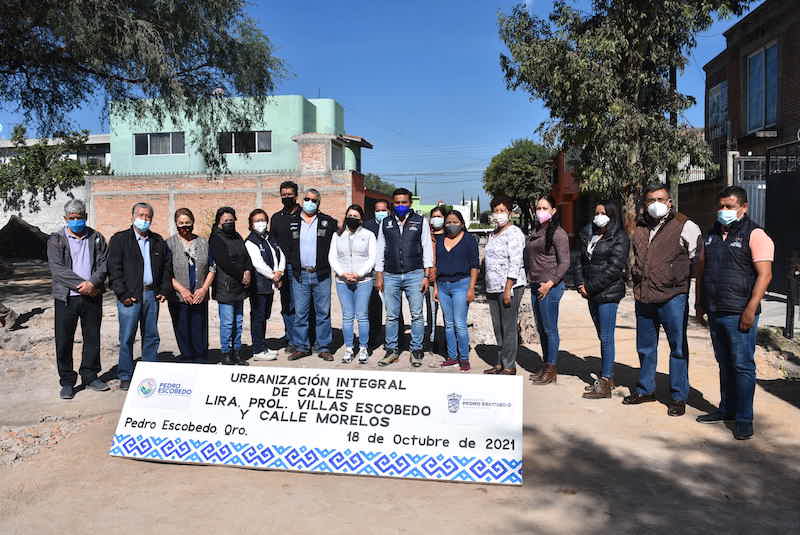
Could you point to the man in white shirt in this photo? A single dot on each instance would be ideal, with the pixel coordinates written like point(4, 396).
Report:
point(404, 264)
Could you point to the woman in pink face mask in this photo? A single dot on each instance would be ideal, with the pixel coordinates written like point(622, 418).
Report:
point(546, 262)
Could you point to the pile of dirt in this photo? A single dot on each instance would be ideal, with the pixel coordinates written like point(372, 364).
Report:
point(20, 239)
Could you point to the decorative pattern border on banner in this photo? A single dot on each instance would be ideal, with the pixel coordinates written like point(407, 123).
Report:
point(447, 468)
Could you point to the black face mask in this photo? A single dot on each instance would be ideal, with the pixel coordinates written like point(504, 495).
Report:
point(288, 202)
point(352, 223)
point(229, 228)
point(452, 229)
point(186, 230)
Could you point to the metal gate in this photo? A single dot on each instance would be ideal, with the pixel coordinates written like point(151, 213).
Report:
point(750, 173)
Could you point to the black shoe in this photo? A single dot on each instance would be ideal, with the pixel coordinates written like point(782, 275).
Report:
point(743, 431)
point(239, 360)
point(676, 408)
point(635, 399)
point(67, 392)
point(227, 360)
point(97, 385)
point(417, 356)
point(125, 384)
point(715, 417)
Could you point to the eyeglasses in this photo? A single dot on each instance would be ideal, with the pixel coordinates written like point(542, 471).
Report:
point(310, 199)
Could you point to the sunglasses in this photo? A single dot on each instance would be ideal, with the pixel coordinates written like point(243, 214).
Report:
point(310, 199)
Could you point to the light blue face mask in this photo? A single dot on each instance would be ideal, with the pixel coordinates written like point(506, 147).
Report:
point(309, 207)
point(381, 215)
point(141, 224)
point(76, 225)
point(726, 217)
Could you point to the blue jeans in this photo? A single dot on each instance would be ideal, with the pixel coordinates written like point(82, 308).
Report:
point(545, 311)
point(394, 285)
point(453, 298)
point(309, 288)
point(354, 298)
point(143, 313)
point(673, 315)
point(734, 351)
point(287, 308)
point(231, 317)
point(604, 316)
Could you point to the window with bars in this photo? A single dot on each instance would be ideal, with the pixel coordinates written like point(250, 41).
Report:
point(245, 142)
point(159, 143)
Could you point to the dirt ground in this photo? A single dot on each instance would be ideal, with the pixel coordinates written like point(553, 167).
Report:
point(589, 466)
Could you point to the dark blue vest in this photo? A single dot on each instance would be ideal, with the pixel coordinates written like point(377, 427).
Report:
point(403, 252)
point(262, 284)
point(729, 275)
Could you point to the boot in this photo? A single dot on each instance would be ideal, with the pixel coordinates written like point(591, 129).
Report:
point(239, 361)
point(550, 375)
point(600, 389)
point(537, 375)
point(227, 360)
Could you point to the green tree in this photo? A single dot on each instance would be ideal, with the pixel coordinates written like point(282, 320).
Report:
point(521, 171)
point(376, 183)
point(604, 76)
point(164, 60)
point(35, 173)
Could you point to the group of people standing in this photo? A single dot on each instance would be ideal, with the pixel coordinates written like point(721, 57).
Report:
point(301, 250)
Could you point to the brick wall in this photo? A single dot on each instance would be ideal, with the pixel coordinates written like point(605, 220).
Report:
point(111, 197)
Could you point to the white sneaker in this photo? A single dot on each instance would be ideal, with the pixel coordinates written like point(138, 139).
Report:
point(363, 356)
point(348, 355)
point(266, 355)
point(272, 354)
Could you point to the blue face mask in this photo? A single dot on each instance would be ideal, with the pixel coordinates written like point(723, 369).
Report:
point(380, 216)
point(726, 217)
point(309, 207)
point(401, 210)
point(141, 224)
point(76, 225)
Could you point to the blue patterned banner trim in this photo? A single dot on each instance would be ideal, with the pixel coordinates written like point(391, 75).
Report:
point(329, 461)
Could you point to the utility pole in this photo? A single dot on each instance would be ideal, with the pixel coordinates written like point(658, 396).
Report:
point(673, 178)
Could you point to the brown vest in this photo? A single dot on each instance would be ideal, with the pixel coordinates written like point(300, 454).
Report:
point(661, 267)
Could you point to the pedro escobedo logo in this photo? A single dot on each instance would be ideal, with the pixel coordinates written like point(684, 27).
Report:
point(148, 387)
point(453, 402)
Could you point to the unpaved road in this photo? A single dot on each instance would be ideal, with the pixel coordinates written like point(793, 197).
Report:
point(589, 467)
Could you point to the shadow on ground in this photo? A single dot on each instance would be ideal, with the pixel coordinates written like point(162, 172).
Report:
point(786, 389)
point(706, 486)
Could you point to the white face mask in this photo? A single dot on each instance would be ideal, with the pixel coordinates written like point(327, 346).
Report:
point(437, 222)
point(500, 218)
point(657, 210)
point(260, 226)
point(601, 220)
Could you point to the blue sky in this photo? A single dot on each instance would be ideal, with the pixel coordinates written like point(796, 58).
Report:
point(420, 79)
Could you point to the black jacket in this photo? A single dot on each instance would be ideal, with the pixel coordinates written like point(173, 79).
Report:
point(279, 227)
point(232, 260)
point(326, 228)
point(373, 226)
point(603, 274)
point(126, 265)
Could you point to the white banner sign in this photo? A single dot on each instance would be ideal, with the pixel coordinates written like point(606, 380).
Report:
point(449, 427)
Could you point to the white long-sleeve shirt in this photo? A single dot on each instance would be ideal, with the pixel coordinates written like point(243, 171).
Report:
point(427, 245)
point(258, 261)
point(353, 252)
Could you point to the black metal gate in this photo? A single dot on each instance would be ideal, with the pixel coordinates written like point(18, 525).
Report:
point(783, 199)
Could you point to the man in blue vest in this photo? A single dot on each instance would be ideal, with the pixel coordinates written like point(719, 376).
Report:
point(404, 263)
point(736, 274)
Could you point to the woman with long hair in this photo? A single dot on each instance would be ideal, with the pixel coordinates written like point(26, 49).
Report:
point(192, 276)
point(600, 278)
point(457, 268)
point(231, 284)
point(352, 258)
point(546, 262)
point(269, 264)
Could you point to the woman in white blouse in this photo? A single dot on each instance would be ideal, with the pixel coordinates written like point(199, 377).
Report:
point(352, 259)
point(269, 264)
point(505, 283)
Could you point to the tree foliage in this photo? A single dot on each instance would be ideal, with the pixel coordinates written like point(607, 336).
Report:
point(376, 183)
point(604, 76)
point(35, 173)
point(522, 171)
point(158, 59)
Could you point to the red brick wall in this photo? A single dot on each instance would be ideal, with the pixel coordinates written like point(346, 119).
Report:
point(112, 198)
